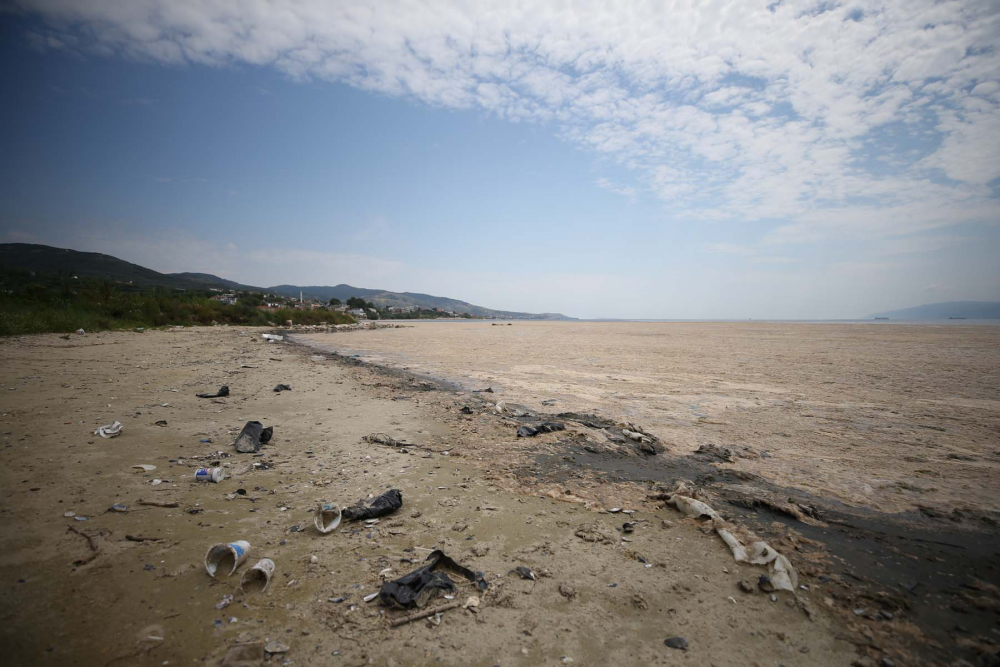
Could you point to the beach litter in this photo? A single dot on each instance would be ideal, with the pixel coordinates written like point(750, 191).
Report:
point(387, 503)
point(256, 579)
point(271, 338)
point(523, 572)
point(282, 387)
point(415, 589)
point(252, 437)
point(111, 430)
point(745, 546)
point(223, 391)
point(146, 467)
point(222, 555)
point(215, 475)
point(327, 518)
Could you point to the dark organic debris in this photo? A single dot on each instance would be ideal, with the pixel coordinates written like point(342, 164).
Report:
point(524, 572)
point(544, 427)
point(418, 587)
point(715, 453)
point(488, 390)
point(466, 410)
point(282, 387)
point(382, 439)
point(253, 436)
point(223, 391)
point(162, 422)
point(387, 503)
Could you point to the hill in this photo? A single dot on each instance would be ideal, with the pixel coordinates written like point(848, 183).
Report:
point(42, 258)
point(404, 299)
point(971, 310)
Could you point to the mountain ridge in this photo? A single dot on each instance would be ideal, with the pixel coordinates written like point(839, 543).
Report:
point(37, 257)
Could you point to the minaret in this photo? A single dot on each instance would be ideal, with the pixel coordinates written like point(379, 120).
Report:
point(300, 297)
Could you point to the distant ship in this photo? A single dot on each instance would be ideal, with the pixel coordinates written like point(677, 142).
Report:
point(958, 318)
point(881, 318)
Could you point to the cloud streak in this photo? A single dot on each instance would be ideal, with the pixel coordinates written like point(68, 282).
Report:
point(824, 120)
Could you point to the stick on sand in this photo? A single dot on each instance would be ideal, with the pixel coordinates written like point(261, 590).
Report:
point(423, 614)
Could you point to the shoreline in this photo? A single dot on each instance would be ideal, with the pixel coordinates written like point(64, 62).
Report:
point(907, 561)
point(483, 503)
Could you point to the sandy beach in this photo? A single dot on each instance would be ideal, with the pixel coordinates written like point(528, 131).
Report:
point(85, 585)
point(890, 417)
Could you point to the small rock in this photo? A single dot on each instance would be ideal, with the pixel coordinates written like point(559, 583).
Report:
point(745, 586)
point(276, 647)
point(677, 642)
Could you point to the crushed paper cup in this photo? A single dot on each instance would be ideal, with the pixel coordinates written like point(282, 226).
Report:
point(221, 555)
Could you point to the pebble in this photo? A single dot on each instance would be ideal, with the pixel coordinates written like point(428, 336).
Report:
point(745, 586)
point(677, 642)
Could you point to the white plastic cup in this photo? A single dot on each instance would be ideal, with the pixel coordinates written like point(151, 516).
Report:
point(327, 518)
point(221, 555)
point(209, 475)
point(260, 573)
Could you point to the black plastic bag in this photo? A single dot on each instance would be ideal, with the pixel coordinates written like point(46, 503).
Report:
point(426, 582)
point(223, 391)
point(387, 503)
point(282, 387)
point(252, 437)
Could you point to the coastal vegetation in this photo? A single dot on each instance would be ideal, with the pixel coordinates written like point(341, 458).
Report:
point(38, 302)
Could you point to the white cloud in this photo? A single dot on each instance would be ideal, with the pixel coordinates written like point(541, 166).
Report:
point(733, 110)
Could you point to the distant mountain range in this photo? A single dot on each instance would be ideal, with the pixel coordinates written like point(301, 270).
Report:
point(42, 258)
point(970, 310)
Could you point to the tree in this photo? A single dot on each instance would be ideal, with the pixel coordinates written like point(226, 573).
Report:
point(356, 302)
point(334, 302)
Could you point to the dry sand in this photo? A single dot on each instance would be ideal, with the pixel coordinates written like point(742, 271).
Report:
point(886, 416)
point(151, 602)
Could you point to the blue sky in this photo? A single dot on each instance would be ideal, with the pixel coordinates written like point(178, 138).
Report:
point(811, 160)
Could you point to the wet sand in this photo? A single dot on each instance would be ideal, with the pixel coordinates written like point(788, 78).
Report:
point(884, 416)
point(466, 490)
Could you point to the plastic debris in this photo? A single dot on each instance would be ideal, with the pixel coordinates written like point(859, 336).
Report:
point(282, 387)
point(118, 507)
point(221, 555)
point(272, 337)
point(745, 546)
point(209, 475)
point(111, 430)
point(418, 587)
point(327, 518)
point(252, 437)
point(387, 503)
point(147, 467)
point(256, 579)
point(524, 572)
point(223, 391)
